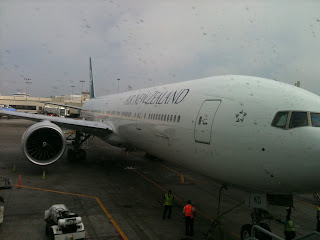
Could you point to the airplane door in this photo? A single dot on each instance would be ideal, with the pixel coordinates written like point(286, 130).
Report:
point(203, 126)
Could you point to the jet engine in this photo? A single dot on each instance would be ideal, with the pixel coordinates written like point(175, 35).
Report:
point(43, 143)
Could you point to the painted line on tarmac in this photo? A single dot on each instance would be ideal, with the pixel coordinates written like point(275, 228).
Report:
point(48, 190)
point(111, 219)
point(72, 132)
point(182, 201)
point(178, 173)
point(81, 195)
point(306, 203)
point(181, 174)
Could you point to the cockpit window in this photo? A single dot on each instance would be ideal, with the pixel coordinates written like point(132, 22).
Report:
point(298, 119)
point(315, 119)
point(280, 119)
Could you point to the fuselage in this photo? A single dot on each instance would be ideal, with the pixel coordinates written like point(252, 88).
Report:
point(223, 127)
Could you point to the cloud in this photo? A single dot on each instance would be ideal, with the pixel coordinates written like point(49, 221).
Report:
point(155, 42)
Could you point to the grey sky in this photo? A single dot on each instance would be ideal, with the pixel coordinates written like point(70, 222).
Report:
point(149, 43)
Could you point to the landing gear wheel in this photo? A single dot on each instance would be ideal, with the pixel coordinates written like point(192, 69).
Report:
point(51, 235)
point(47, 230)
point(82, 155)
point(246, 231)
point(79, 155)
point(263, 236)
point(70, 155)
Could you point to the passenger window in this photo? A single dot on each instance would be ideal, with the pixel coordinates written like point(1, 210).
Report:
point(171, 118)
point(315, 119)
point(178, 120)
point(280, 119)
point(174, 119)
point(298, 119)
point(164, 117)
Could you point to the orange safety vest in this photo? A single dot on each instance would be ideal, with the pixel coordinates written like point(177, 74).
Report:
point(188, 211)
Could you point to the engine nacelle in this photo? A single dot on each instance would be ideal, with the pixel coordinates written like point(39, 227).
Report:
point(43, 143)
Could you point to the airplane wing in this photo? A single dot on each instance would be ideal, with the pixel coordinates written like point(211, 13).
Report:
point(62, 105)
point(98, 129)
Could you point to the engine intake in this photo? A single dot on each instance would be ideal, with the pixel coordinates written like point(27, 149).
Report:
point(43, 143)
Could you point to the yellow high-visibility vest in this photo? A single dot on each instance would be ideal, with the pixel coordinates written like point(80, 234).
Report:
point(289, 227)
point(168, 200)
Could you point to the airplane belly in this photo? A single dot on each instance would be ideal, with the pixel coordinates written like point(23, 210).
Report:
point(171, 144)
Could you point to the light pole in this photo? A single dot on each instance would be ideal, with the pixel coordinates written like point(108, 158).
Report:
point(118, 84)
point(72, 92)
point(28, 81)
point(82, 81)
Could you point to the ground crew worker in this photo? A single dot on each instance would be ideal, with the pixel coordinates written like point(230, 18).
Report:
point(289, 211)
point(289, 230)
point(168, 203)
point(189, 214)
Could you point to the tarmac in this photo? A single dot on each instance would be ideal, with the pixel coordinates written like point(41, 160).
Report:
point(119, 195)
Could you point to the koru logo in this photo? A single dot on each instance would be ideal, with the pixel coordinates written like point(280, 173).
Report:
point(240, 116)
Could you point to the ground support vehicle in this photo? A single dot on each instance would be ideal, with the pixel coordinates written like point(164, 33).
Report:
point(61, 224)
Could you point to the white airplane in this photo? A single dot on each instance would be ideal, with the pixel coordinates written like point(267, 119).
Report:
point(256, 134)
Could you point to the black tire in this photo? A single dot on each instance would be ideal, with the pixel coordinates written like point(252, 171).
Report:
point(263, 236)
point(51, 235)
point(48, 227)
point(82, 155)
point(70, 155)
point(245, 231)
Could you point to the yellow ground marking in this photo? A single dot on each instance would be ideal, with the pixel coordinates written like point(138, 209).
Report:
point(306, 203)
point(111, 219)
point(179, 173)
point(70, 132)
point(182, 201)
point(81, 195)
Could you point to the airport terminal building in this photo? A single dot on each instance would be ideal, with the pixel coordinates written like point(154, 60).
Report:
point(24, 103)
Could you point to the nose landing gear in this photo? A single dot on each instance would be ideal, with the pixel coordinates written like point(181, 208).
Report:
point(257, 215)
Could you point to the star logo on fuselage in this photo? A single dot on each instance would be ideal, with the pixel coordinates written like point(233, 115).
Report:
point(240, 116)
